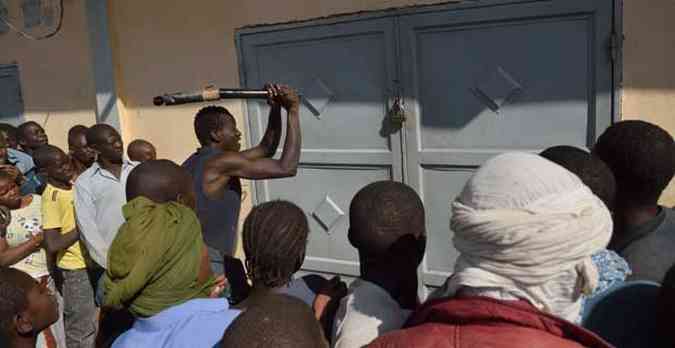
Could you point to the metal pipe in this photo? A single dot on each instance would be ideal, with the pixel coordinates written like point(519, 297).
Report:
point(208, 94)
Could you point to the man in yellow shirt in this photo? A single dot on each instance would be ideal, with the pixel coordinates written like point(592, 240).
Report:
point(62, 238)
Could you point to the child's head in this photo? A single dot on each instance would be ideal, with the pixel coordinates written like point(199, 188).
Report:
point(10, 194)
point(591, 170)
point(4, 145)
point(32, 136)
point(26, 306)
point(78, 147)
point(161, 181)
point(55, 163)
point(141, 151)
point(642, 158)
point(11, 133)
point(276, 321)
point(275, 238)
point(387, 225)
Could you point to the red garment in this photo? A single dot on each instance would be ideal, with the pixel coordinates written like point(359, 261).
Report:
point(464, 322)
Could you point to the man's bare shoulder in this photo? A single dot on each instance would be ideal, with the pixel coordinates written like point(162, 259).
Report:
point(225, 160)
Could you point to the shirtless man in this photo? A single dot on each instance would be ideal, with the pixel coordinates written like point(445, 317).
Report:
point(219, 164)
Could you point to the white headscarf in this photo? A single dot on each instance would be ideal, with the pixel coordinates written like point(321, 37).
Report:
point(526, 227)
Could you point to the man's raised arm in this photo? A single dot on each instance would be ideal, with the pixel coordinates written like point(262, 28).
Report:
point(270, 141)
point(220, 169)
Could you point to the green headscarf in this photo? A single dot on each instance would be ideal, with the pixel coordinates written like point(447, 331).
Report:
point(154, 261)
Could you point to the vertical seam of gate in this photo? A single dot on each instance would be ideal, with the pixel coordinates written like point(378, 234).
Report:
point(617, 64)
point(401, 93)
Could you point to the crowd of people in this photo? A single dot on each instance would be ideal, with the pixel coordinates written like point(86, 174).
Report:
point(566, 248)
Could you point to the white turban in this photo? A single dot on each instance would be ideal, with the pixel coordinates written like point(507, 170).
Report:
point(527, 227)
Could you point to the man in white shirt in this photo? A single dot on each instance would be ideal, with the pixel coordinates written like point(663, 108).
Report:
point(387, 227)
point(100, 192)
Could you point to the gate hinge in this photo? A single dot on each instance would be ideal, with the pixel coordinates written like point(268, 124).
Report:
point(615, 42)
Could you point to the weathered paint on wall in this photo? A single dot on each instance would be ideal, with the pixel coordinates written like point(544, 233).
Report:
point(56, 79)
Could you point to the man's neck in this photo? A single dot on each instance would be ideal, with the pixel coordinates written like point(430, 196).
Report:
point(213, 147)
point(60, 184)
point(635, 215)
point(79, 166)
point(627, 220)
point(257, 292)
point(401, 287)
point(26, 201)
point(114, 168)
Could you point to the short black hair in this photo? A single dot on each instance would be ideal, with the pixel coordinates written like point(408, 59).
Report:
point(9, 130)
point(275, 239)
point(95, 133)
point(158, 180)
point(13, 296)
point(44, 155)
point(381, 214)
point(77, 130)
point(276, 321)
point(642, 157)
point(137, 147)
point(208, 120)
point(592, 171)
point(21, 131)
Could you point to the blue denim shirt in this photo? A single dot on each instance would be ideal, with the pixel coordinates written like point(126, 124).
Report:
point(34, 184)
point(196, 323)
point(22, 161)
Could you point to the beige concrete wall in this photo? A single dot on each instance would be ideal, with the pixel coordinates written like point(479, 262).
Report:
point(649, 66)
point(56, 74)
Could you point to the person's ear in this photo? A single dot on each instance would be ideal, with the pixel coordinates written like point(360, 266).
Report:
point(186, 200)
point(216, 136)
point(249, 268)
point(350, 237)
point(180, 199)
point(95, 151)
point(22, 324)
point(301, 260)
point(421, 247)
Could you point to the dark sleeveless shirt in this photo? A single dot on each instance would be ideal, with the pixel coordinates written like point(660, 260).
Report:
point(219, 217)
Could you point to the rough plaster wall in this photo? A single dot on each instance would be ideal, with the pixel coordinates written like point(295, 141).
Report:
point(56, 74)
point(649, 66)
